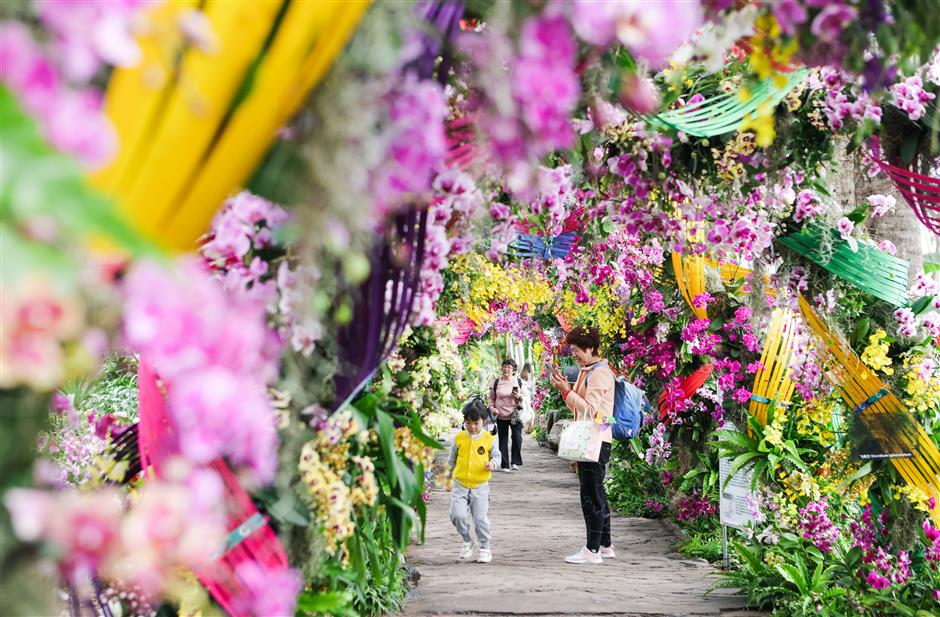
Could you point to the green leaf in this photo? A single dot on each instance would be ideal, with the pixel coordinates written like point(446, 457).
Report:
point(922, 304)
point(331, 603)
point(858, 215)
point(909, 148)
point(901, 609)
point(794, 575)
point(932, 262)
point(738, 464)
point(36, 180)
point(864, 470)
point(752, 559)
point(735, 438)
point(860, 333)
point(387, 443)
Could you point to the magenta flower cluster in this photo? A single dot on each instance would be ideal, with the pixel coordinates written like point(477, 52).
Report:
point(71, 119)
point(545, 85)
point(216, 356)
point(455, 201)
point(694, 507)
point(906, 320)
point(911, 97)
point(701, 341)
point(660, 449)
point(816, 527)
point(532, 117)
point(244, 225)
point(415, 145)
point(651, 30)
point(885, 568)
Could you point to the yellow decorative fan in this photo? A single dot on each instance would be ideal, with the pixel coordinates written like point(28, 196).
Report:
point(195, 123)
point(730, 272)
point(690, 275)
point(912, 451)
point(772, 382)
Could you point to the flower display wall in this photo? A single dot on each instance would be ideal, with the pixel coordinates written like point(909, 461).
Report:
point(537, 118)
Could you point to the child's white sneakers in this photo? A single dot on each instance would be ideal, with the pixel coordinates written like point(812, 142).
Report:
point(585, 556)
point(607, 552)
point(486, 556)
point(467, 551)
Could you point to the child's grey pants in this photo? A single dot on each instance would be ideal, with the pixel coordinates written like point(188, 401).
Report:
point(466, 502)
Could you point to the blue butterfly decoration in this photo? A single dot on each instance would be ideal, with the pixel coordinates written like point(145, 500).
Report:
point(527, 245)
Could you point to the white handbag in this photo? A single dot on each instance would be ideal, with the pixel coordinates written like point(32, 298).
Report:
point(581, 441)
point(526, 415)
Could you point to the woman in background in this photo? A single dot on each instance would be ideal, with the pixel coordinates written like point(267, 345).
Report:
point(505, 400)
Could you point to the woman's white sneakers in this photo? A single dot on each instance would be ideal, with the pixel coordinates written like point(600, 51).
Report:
point(585, 556)
point(466, 552)
point(515, 467)
point(607, 552)
point(485, 556)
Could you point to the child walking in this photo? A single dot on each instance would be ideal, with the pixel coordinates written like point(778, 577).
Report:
point(472, 461)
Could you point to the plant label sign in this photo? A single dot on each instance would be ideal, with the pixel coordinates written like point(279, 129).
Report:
point(734, 510)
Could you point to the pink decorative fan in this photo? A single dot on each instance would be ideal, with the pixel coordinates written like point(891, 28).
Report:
point(464, 329)
point(250, 538)
point(920, 191)
point(462, 150)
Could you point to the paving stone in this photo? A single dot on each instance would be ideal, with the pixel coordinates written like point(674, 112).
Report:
point(536, 521)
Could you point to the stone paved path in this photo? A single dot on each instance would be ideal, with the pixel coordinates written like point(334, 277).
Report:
point(536, 519)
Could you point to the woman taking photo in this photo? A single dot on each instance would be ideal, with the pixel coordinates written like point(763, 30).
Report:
point(591, 398)
point(505, 400)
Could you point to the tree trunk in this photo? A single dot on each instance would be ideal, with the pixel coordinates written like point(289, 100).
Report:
point(852, 186)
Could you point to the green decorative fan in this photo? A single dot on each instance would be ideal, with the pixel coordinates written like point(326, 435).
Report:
point(725, 112)
point(869, 269)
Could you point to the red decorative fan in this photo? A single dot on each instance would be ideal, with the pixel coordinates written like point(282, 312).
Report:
point(920, 191)
point(250, 538)
point(689, 385)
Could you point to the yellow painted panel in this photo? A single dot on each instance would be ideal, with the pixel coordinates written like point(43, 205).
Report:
point(207, 86)
point(254, 124)
point(133, 95)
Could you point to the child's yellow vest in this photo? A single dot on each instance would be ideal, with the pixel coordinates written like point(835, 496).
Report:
point(472, 457)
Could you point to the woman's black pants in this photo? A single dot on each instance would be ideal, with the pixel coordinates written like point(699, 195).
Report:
point(503, 428)
point(594, 504)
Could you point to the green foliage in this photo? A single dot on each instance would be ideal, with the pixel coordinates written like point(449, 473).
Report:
point(632, 485)
point(539, 434)
point(761, 450)
point(37, 181)
point(703, 543)
point(113, 391)
point(375, 580)
point(400, 485)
